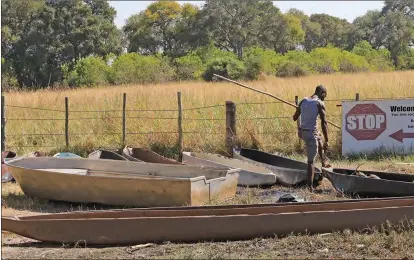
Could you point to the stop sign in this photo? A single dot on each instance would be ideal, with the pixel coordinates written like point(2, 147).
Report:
point(365, 122)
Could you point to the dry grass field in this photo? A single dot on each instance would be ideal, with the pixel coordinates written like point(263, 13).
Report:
point(256, 123)
point(276, 134)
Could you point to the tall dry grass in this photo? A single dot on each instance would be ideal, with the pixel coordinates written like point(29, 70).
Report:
point(271, 135)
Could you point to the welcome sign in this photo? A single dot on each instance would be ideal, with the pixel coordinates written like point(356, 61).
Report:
point(371, 125)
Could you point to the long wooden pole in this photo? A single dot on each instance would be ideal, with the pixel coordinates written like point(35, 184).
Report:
point(268, 94)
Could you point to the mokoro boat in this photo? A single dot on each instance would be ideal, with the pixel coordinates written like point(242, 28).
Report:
point(388, 184)
point(288, 172)
point(121, 182)
point(145, 155)
point(105, 154)
point(249, 175)
point(210, 223)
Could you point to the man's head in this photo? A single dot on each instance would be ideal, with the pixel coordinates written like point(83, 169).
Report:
point(321, 92)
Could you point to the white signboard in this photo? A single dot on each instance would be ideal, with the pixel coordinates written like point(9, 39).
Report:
point(386, 125)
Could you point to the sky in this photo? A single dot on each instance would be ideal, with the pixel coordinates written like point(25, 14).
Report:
point(348, 10)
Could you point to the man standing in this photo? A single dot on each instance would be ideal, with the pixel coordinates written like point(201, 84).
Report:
point(309, 109)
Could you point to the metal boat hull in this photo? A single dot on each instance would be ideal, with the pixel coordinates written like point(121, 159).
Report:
point(249, 175)
point(145, 155)
point(104, 154)
point(121, 183)
point(219, 223)
point(288, 172)
point(389, 184)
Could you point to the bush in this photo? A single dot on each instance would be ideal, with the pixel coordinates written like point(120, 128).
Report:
point(90, 71)
point(258, 60)
point(135, 68)
point(229, 67)
point(210, 52)
point(189, 67)
point(8, 82)
point(378, 60)
point(406, 60)
point(291, 69)
point(350, 62)
point(325, 60)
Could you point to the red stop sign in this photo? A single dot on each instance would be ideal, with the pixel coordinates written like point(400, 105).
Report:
point(365, 122)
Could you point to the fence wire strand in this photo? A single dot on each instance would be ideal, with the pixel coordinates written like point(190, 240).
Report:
point(36, 108)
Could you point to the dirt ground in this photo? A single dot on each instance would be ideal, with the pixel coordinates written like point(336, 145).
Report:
point(385, 242)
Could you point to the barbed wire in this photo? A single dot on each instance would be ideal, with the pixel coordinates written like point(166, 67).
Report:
point(35, 119)
point(194, 108)
point(205, 107)
point(36, 108)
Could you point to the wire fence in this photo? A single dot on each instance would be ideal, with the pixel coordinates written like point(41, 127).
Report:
point(179, 117)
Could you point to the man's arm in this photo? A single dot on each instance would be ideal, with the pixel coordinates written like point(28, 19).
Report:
point(297, 113)
point(324, 123)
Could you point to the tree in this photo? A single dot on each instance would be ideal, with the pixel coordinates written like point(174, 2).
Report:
point(395, 32)
point(163, 27)
point(234, 25)
point(311, 29)
point(404, 6)
point(41, 36)
point(333, 30)
point(365, 29)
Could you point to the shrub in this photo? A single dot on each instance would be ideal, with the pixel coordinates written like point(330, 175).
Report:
point(189, 67)
point(136, 68)
point(406, 60)
point(229, 67)
point(378, 60)
point(8, 82)
point(209, 52)
point(350, 62)
point(325, 60)
point(258, 60)
point(8, 79)
point(291, 69)
point(90, 71)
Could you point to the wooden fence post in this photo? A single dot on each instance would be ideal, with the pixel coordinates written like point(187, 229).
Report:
point(123, 119)
point(67, 121)
point(298, 121)
point(357, 97)
point(180, 128)
point(231, 134)
point(3, 124)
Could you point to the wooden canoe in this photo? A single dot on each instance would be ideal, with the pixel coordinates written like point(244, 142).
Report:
point(389, 184)
point(145, 155)
point(211, 223)
point(121, 182)
point(105, 154)
point(288, 172)
point(249, 175)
